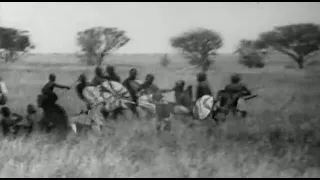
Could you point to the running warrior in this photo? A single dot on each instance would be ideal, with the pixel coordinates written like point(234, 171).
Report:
point(183, 97)
point(203, 88)
point(98, 77)
point(112, 75)
point(128, 83)
point(236, 90)
point(47, 90)
point(83, 83)
point(148, 87)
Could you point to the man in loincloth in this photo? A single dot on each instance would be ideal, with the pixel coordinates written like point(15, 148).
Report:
point(203, 88)
point(237, 90)
point(145, 90)
point(47, 90)
point(148, 87)
point(83, 83)
point(94, 114)
point(183, 97)
point(127, 83)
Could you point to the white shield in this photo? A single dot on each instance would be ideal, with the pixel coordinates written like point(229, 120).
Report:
point(203, 107)
point(145, 101)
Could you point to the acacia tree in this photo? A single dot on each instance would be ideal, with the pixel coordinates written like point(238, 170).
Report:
point(13, 42)
point(298, 41)
point(250, 54)
point(98, 42)
point(198, 46)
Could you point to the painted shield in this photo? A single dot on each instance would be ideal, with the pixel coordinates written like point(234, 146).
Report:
point(241, 104)
point(111, 93)
point(169, 97)
point(145, 101)
point(203, 107)
point(92, 95)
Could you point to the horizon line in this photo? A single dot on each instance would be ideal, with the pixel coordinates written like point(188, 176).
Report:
point(116, 53)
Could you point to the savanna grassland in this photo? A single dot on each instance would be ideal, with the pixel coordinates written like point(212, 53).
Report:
point(279, 138)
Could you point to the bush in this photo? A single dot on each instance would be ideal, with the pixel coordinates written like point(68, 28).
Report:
point(165, 61)
point(252, 61)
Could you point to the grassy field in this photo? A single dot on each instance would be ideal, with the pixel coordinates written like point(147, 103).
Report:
point(277, 139)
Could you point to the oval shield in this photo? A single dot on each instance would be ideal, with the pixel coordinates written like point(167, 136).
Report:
point(203, 107)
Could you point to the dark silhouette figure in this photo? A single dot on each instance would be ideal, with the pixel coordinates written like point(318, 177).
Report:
point(55, 116)
point(129, 84)
point(112, 75)
point(203, 86)
point(9, 121)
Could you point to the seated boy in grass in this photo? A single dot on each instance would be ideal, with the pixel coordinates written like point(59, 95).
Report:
point(9, 121)
point(30, 119)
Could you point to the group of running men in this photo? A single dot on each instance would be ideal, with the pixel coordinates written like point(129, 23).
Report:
point(183, 96)
point(235, 88)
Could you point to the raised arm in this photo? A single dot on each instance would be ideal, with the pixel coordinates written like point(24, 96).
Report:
point(167, 90)
point(61, 86)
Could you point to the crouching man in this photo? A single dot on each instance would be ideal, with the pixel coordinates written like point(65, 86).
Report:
point(237, 92)
point(9, 121)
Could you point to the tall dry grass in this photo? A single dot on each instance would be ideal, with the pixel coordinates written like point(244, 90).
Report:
point(269, 143)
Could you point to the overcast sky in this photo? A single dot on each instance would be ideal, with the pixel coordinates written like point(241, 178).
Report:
point(54, 25)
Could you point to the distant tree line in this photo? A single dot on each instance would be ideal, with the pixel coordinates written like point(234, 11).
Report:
point(13, 43)
point(199, 46)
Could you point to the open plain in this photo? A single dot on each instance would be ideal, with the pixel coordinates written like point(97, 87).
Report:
point(279, 138)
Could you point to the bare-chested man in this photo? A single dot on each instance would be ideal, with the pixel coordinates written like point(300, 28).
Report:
point(83, 82)
point(148, 87)
point(94, 115)
point(183, 98)
point(132, 90)
point(111, 74)
point(203, 87)
point(47, 89)
point(98, 77)
point(236, 89)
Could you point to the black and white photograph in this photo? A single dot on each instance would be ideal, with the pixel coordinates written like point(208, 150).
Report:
point(159, 89)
